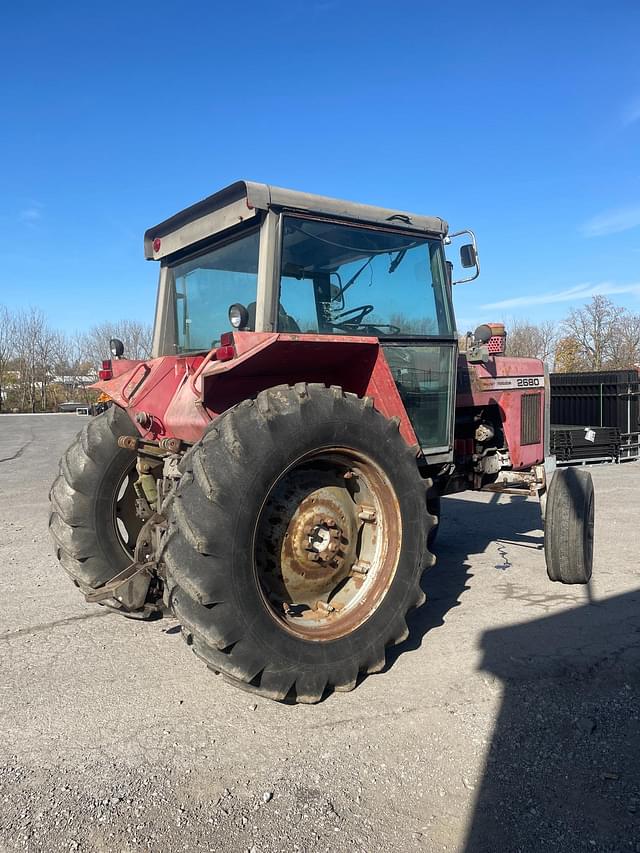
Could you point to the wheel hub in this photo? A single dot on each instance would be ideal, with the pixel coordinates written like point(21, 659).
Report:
point(315, 541)
point(319, 546)
point(323, 536)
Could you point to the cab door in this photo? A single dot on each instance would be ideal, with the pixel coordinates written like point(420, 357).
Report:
point(425, 377)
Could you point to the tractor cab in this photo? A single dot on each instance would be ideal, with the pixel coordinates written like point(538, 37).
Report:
point(255, 258)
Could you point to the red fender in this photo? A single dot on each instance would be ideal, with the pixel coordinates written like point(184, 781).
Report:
point(182, 394)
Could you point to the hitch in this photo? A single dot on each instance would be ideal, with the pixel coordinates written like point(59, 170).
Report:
point(129, 588)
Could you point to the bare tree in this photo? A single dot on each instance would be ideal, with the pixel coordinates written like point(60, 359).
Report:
point(408, 325)
point(28, 325)
point(135, 336)
point(527, 340)
point(69, 372)
point(33, 360)
point(625, 342)
point(595, 327)
point(40, 366)
point(7, 347)
point(45, 353)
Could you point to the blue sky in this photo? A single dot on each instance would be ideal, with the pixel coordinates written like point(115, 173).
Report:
point(521, 121)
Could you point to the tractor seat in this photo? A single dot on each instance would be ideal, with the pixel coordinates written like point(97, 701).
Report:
point(286, 322)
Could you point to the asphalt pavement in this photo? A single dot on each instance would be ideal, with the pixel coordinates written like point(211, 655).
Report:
point(508, 721)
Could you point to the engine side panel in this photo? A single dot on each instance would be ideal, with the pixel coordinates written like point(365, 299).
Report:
point(515, 387)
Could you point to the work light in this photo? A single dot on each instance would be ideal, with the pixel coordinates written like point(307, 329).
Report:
point(238, 315)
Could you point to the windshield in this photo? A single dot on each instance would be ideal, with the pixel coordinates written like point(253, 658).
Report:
point(205, 286)
point(343, 279)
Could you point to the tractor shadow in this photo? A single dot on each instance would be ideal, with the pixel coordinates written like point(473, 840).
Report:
point(563, 769)
point(562, 772)
point(467, 528)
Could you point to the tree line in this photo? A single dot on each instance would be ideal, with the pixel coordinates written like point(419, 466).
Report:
point(42, 367)
point(598, 336)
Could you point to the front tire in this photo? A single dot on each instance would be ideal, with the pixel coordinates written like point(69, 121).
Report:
point(297, 539)
point(92, 519)
point(568, 526)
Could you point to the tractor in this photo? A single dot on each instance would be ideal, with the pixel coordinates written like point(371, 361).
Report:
point(272, 475)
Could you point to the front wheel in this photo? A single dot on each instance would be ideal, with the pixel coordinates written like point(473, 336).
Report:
point(568, 527)
point(93, 517)
point(297, 539)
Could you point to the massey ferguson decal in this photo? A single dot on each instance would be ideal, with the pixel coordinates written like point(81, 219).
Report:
point(510, 383)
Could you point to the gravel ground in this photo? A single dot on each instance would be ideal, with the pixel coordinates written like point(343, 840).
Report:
point(508, 721)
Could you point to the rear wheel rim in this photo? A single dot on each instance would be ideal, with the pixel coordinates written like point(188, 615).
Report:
point(327, 544)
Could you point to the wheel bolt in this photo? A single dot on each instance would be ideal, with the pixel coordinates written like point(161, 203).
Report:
point(367, 514)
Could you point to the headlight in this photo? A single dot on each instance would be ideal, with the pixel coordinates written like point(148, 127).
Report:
point(238, 316)
point(117, 348)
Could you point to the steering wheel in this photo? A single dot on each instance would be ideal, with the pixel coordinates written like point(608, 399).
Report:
point(353, 317)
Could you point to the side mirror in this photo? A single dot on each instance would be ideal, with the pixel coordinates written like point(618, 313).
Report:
point(468, 255)
point(117, 347)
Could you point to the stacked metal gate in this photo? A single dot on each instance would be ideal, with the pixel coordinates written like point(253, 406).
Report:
point(595, 416)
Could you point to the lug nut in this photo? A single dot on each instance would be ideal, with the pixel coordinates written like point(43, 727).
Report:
point(367, 514)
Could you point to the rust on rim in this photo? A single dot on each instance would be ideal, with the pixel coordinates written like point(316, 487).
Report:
point(327, 543)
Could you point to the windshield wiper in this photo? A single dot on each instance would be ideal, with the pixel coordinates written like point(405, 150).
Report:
point(395, 263)
point(353, 278)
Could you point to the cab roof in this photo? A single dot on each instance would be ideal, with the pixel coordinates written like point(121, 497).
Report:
point(240, 202)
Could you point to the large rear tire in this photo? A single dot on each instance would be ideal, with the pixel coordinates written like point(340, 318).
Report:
point(92, 519)
point(297, 539)
point(568, 526)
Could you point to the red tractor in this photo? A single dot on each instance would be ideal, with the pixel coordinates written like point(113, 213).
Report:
point(272, 476)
